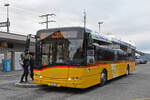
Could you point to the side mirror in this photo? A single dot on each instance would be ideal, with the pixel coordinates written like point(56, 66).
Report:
point(90, 40)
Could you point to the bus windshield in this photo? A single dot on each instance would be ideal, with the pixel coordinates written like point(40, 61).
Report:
point(61, 49)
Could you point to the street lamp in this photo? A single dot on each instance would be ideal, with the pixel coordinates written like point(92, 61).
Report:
point(8, 23)
point(99, 25)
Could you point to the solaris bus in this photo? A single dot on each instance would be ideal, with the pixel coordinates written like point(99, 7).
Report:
point(77, 57)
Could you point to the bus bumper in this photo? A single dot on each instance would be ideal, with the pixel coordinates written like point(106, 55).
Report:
point(60, 83)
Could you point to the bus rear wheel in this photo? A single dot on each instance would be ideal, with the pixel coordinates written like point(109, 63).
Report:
point(103, 77)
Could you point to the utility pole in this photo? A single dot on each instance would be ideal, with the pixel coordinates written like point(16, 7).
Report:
point(8, 23)
point(99, 25)
point(84, 18)
point(47, 19)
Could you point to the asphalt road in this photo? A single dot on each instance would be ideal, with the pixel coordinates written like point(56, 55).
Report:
point(136, 86)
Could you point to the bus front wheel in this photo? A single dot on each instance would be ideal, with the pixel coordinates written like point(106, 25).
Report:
point(103, 77)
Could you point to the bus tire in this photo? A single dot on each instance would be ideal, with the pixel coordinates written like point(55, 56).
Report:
point(128, 70)
point(103, 77)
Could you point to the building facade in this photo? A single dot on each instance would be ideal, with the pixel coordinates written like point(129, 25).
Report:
point(11, 46)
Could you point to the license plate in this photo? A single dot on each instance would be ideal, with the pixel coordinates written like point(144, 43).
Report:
point(53, 84)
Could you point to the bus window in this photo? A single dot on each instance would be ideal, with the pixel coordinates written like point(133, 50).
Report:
point(44, 60)
point(79, 55)
point(62, 51)
point(105, 55)
point(45, 51)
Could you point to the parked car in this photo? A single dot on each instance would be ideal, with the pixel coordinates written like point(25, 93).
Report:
point(137, 61)
point(140, 60)
point(143, 61)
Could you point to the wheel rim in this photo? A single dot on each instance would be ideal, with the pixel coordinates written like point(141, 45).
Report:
point(103, 79)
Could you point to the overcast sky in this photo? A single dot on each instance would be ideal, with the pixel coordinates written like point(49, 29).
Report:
point(128, 20)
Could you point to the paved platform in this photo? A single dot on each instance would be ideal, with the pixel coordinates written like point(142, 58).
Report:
point(11, 73)
point(27, 85)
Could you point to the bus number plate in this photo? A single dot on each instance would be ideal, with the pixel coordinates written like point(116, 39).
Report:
point(53, 84)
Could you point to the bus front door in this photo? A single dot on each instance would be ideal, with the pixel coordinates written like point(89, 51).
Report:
point(58, 55)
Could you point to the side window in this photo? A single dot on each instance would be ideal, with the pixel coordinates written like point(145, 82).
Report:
point(126, 56)
point(121, 56)
point(104, 55)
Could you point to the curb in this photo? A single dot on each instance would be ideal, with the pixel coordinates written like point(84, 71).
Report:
point(27, 85)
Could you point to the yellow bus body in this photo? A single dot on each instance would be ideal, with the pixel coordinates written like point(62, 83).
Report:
point(80, 77)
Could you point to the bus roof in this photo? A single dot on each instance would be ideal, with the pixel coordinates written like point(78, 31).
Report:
point(100, 37)
point(63, 28)
point(122, 43)
point(95, 35)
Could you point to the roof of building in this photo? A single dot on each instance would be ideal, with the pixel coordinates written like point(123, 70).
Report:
point(12, 37)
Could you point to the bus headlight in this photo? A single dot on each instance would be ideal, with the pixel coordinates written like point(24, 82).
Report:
point(69, 78)
point(73, 78)
point(41, 76)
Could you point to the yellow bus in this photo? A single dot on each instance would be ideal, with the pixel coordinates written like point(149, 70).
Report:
point(77, 57)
